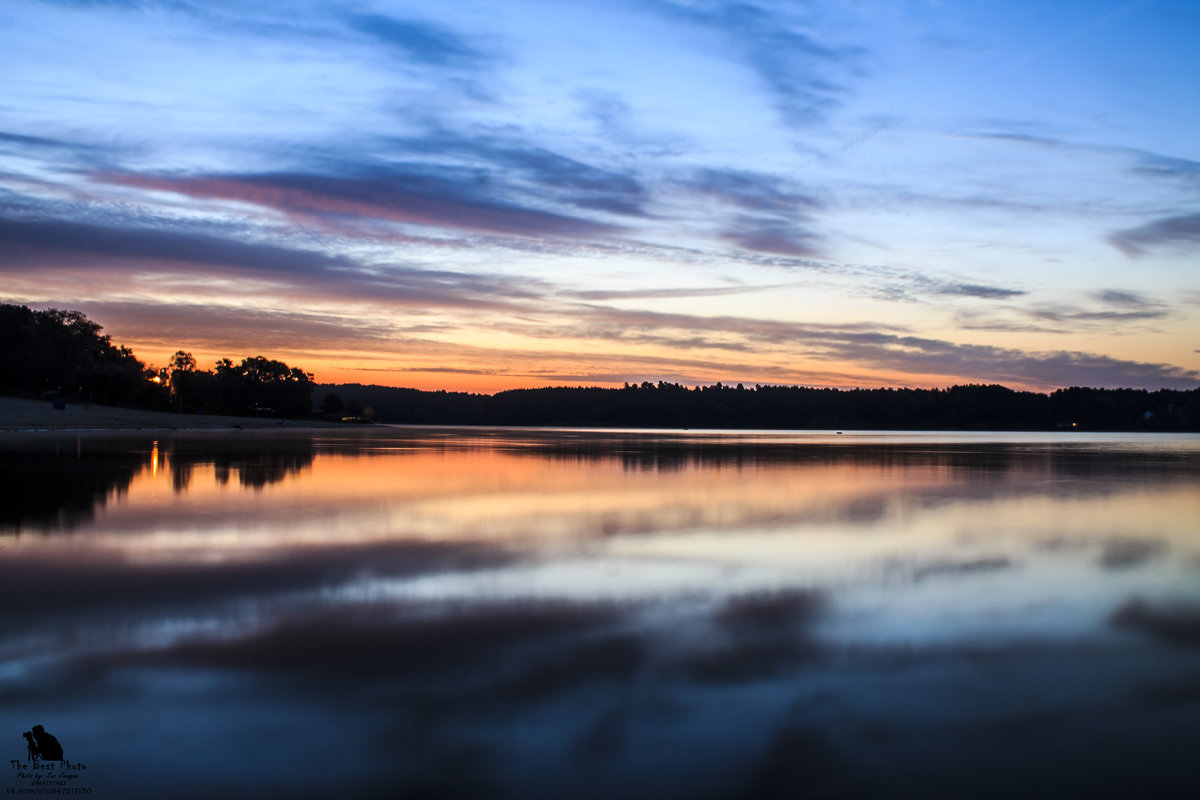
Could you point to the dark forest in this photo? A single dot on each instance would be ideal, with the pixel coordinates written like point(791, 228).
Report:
point(56, 353)
point(666, 405)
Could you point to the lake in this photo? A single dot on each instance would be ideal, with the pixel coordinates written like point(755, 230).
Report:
point(420, 612)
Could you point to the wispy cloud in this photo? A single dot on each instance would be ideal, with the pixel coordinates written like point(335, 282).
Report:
point(917, 287)
point(768, 236)
point(1075, 316)
point(1113, 310)
point(769, 215)
point(1181, 231)
point(17, 140)
point(752, 191)
point(979, 290)
point(542, 171)
point(418, 196)
point(869, 348)
point(1121, 297)
point(1169, 168)
point(801, 72)
point(125, 251)
point(420, 41)
point(1139, 161)
point(30, 241)
point(643, 294)
point(236, 330)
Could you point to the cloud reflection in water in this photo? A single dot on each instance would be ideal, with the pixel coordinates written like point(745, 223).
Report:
point(543, 614)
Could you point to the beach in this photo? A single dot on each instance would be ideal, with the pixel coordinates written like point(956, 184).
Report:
point(20, 414)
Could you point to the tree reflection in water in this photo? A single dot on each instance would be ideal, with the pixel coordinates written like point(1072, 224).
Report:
point(549, 614)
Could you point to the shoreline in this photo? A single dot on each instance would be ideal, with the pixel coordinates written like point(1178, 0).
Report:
point(19, 415)
point(22, 415)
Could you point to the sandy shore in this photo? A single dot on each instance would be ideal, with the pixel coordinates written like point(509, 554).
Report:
point(17, 414)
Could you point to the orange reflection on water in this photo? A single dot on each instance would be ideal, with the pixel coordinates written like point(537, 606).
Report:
point(833, 515)
point(950, 589)
point(476, 494)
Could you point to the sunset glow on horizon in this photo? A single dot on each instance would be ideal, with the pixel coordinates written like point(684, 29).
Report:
point(484, 196)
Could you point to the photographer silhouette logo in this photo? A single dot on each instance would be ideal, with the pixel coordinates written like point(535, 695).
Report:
point(42, 746)
point(45, 770)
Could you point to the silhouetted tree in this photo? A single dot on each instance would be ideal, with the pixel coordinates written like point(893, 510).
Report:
point(63, 351)
point(182, 366)
point(261, 386)
point(332, 404)
point(183, 362)
point(193, 389)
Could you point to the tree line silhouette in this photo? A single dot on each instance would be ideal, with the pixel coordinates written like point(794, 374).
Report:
point(56, 352)
point(57, 488)
point(257, 385)
point(671, 405)
point(63, 353)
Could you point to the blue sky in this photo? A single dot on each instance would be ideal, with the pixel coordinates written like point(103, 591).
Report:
point(488, 195)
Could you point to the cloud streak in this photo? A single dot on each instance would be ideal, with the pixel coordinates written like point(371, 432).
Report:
point(538, 170)
point(54, 245)
point(793, 64)
point(421, 197)
point(869, 347)
point(1182, 232)
point(764, 236)
point(752, 191)
point(420, 41)
point(27, 241)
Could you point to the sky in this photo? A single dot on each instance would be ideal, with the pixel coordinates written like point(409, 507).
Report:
point(488, 195)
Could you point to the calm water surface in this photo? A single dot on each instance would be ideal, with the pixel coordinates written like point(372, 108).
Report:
point(400, 612)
